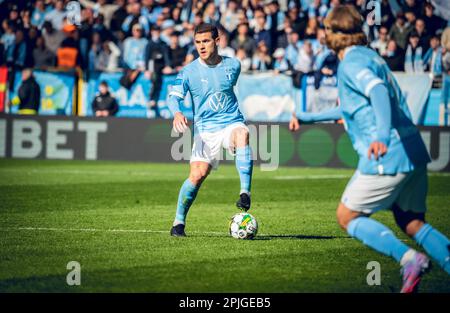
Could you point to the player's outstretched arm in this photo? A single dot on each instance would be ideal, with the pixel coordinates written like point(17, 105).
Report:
point(308, 117)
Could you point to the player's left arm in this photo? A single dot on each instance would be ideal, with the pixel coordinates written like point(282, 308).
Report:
point(367, 82)
point(380, 101)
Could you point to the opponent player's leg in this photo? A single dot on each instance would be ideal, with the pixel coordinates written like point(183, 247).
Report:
point(198, 172)
point(244, 164)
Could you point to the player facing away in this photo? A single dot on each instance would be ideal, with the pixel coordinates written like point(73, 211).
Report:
point(218, 122)
point(392, 171)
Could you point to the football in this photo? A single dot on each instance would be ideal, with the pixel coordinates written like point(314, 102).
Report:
point(243, 226)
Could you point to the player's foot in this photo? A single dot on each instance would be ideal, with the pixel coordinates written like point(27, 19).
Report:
point(178, 231)
point(412, 272)
point(244, 202)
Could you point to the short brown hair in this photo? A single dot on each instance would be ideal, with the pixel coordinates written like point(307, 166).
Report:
point(344, 26)
point(207, 28)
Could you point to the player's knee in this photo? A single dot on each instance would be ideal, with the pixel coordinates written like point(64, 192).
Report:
point(409, 222)
point(344, 216)
point(413, 227)
point(198, 176)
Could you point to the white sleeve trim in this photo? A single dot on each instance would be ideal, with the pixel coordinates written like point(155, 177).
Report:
point(176, 93)
point(372, 84)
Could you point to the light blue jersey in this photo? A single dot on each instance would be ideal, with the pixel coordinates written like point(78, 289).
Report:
point(360, 71)
point(215, 105)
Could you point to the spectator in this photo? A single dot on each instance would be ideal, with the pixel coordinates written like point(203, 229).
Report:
point(118, 17)
point(327, 68)
point(38, 15)
point(400, 31)
point(414, 55)
point(311, 28)
point(412, 6)
point(103, 8)
point(305, 60)
point(135, 18)
point(298, 20)
point(424, 38)
point(177, 54)
point(293, 48)
point(57, 15)
point(20, 50)
point(167, 27)
point(260, 32)
point(387, 16)
point(246, 62)
point(100, 28)
point(394, 57)
point(230, 18)
point(224, 49)
point(157, 62)
point(42, 56)
point(53, 38)
point(261, 59)
point(321, 50)
point(104, 104)
point(380, 44)
point(211, 14)
point(8, 40)
point(134, 49)
point(14, 17)
point(282, 40)
point(68, 55)
point(433, 23)
point(96, 62)
point(243, 40)
point(411, 18)
point(280, 64)
point(433, 58)
point(317, 10)
point(29, 94)
point(111, 54)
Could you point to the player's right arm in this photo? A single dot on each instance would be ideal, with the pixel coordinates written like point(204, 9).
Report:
point(176, 97)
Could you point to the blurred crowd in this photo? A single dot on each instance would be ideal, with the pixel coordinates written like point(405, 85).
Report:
point(156, 36)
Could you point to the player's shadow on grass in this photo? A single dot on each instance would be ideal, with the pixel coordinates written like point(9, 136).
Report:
point(304, 237)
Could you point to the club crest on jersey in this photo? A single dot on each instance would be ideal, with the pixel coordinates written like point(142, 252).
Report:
point(228, 73)
point(217, 101)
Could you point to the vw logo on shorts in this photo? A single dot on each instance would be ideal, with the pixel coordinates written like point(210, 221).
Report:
point(217, 101)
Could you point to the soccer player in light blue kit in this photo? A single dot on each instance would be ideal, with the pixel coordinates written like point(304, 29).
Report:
point(218, 122)
point(392, 171)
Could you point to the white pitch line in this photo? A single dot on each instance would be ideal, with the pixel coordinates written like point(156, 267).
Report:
point(99, 230)
point(336, 176)
point(222, 234)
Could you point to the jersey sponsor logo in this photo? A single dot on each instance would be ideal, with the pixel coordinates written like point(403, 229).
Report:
point(217, 101)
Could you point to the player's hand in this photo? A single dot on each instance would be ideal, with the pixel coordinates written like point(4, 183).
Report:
point(294, 124)
point(180, 123)
point(377, 148)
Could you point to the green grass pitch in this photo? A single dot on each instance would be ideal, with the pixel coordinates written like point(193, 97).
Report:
point(114, 219)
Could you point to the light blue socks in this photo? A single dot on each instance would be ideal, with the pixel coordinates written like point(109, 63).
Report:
point(244, 165)
point(187, 195)
point(435, 244)
point(377, 236)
